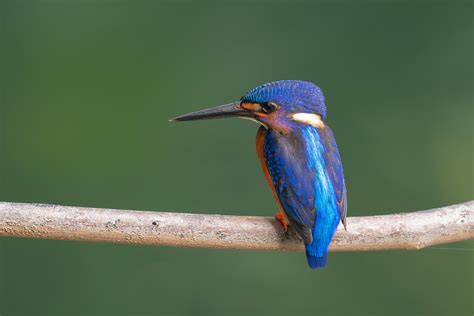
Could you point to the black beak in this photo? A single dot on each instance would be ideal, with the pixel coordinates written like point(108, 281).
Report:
point(221, 111)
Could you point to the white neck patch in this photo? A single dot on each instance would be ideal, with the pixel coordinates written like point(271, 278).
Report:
point(308, 118)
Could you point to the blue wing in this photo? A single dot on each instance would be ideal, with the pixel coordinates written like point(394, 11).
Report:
point(306, 171)
point(335, 171)
point(287, 163)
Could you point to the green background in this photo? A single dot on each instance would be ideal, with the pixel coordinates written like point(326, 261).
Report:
point(87, 88)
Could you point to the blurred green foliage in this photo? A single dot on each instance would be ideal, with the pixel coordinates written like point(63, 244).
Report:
point(86, 91)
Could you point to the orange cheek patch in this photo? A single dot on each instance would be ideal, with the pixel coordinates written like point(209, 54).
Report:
point(250, 106)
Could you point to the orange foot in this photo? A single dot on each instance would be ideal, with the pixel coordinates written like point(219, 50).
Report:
point(283, 220)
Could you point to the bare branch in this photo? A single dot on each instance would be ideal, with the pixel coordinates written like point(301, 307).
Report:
point(398, 231)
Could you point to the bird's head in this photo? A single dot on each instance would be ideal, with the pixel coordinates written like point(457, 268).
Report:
point(279, 105)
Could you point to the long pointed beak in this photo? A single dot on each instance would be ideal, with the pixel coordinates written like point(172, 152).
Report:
point(221, 111)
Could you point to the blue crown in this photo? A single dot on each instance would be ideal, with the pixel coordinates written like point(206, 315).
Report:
point(294, 95)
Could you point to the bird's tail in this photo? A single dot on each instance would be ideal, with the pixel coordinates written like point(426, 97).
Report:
point(317, 250)
point(315, 262)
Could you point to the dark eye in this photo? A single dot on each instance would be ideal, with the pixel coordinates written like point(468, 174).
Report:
point(269, 107)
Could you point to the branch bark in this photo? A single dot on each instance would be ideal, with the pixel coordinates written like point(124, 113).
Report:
point(386, 232)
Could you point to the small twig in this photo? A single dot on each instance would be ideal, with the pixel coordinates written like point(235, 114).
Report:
point(398, 231)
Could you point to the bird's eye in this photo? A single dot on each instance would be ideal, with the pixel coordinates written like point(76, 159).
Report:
point(269, 107)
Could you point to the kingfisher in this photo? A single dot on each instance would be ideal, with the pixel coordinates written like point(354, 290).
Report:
point(299, 157)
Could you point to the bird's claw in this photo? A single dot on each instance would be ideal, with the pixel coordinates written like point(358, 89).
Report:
point(283, 221)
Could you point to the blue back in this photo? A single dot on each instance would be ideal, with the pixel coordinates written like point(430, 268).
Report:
point(306, 171)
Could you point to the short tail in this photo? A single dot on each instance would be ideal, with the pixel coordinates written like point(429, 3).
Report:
point(316, 262)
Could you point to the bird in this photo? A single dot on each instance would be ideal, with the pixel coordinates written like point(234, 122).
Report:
point(299, 158)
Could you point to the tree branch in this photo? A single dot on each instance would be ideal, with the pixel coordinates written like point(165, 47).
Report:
point(398, 231)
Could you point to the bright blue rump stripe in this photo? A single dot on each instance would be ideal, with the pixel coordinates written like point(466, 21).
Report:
point(327, 210)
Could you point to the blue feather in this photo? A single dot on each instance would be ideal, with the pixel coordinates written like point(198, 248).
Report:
point(327, 210)
point(316, 262)
point(294, 95)
point(306, 171)
point(287, 165)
